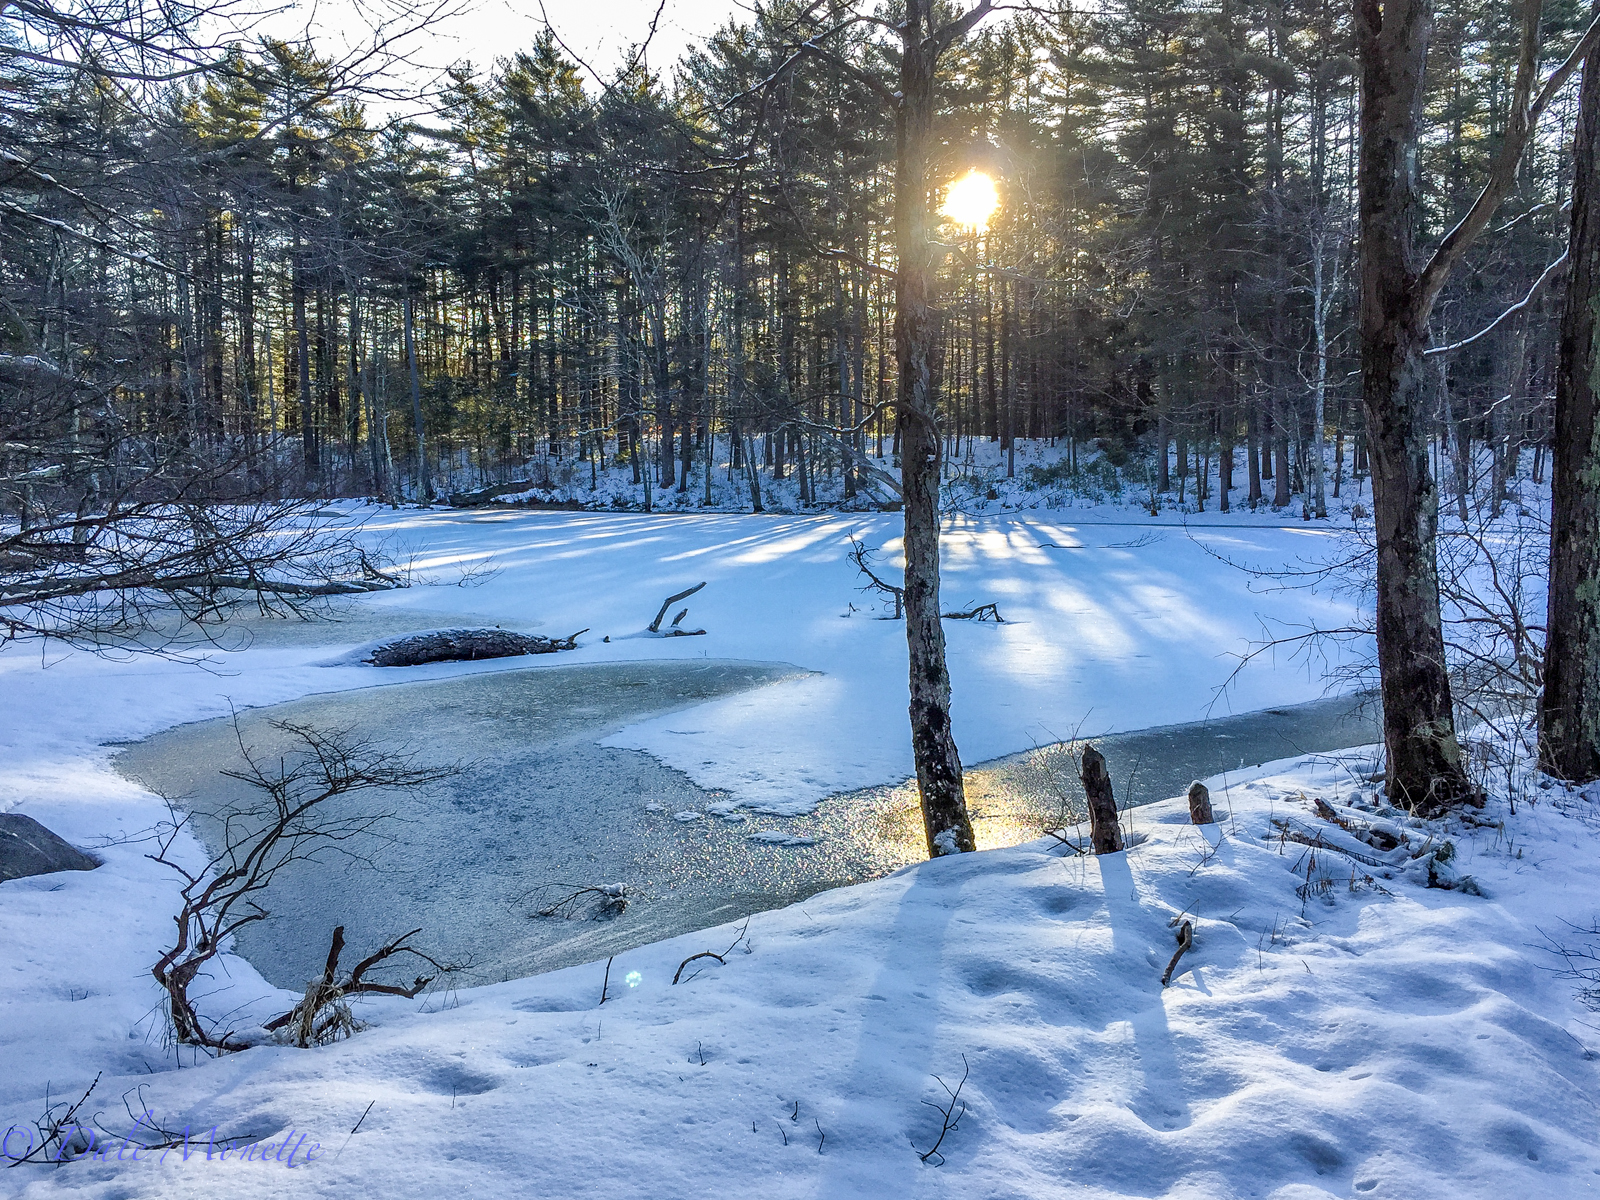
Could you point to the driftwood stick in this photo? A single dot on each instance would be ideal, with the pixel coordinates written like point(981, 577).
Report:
point(655, 626)
point(1105, 832)
point(983, 612)
point(692, 957)
point(1317, 843)
point(1185, 940)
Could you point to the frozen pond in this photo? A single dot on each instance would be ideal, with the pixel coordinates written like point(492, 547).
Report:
point(539, 805)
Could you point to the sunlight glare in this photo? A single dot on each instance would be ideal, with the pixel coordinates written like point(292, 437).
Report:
point(970, 201)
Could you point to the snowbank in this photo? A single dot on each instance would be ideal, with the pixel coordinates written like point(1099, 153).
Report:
point(1362, 1036)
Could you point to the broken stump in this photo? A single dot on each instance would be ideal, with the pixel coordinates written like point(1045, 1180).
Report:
point(1105, 832)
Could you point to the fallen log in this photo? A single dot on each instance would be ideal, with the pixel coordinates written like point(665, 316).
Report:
point(460, 645)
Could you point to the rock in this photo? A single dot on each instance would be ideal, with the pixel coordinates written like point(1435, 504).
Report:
point(28, 848)
point(457, 645)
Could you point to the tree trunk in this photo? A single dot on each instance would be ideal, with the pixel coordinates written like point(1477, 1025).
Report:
point(1569, 713)
point(1280, 445)
point(1105, 831)
point(1461, 447)
point(424, 487)
point(1319, 397)
point(1252, 452)
point(944, 806)
point(1425, 768)
point(302, 342)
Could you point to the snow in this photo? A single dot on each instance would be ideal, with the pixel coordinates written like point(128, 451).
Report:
point(1379, 1039)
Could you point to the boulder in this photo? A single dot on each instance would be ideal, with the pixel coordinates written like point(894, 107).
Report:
point(28, 848)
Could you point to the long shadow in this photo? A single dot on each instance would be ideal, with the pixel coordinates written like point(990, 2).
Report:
point(1158, 1099)
point(865, 1154)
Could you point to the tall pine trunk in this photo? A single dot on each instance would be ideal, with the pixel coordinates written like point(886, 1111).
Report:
point(424, 485)
point(1569, 713)
point(1425, 768)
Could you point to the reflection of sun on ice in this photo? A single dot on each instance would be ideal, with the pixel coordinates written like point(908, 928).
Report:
point(970, 201)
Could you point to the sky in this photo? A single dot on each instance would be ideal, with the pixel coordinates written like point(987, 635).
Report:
point(598, 31)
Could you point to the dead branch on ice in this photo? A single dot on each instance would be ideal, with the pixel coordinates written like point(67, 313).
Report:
point(606, 899)
point(674, 631)
point(862, 557)
point(984, 612)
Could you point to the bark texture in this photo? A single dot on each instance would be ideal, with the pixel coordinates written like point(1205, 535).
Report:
point(1425, 767)
point(944, 804)
point(463, 645)
point(1105, 831)
point(1569, 714)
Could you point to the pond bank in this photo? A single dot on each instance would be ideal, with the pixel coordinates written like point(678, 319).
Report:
point(538, 807)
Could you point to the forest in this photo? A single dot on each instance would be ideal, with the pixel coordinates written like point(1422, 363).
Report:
point(685, 270)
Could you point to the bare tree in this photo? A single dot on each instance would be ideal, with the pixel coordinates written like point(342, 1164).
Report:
point(1426, 770)
point(287, 823)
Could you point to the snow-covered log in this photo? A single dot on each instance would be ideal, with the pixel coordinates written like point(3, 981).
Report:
point(457, 645)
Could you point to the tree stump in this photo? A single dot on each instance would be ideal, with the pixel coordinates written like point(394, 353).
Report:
point(1200, 804)
point(1105, 832)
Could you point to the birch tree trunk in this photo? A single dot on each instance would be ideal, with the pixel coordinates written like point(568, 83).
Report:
point(424, 486)
point(1319, 403)
point(944, 806)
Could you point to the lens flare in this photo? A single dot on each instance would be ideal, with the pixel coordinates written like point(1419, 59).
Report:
point(970, 201)
point(632, 979)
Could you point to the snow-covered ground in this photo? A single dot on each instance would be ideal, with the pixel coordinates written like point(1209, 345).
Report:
point(976, 481)
point(1379, 1039)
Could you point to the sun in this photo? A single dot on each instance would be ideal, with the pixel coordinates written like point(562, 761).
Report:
point(970, 201)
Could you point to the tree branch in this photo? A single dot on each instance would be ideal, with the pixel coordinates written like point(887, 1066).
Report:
point(1539, 284)
point(1524, 118)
